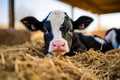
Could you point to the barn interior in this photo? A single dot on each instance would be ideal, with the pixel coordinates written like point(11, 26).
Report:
point(97, 7)
point(94, 7)
point(22, 58)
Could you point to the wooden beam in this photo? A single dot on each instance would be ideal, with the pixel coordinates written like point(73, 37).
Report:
point(84, 4)
point(11, 14)
point(97, 7)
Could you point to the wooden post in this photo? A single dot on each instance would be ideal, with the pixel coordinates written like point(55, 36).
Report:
point(99, 22)
point(72, 12)
point(11, 14)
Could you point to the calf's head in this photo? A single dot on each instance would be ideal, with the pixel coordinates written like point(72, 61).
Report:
point(113, 36)
point(58, 30)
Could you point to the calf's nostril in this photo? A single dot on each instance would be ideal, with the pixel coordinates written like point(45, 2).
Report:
point(58, 44)
point(54, 44)
point(63, 44)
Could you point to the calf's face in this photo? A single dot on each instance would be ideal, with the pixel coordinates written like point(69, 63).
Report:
point(58, 30)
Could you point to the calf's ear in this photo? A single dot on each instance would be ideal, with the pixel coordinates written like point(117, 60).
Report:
point(32, 23)
point(82, 22)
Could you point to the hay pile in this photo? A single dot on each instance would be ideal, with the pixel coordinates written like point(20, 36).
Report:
point(27, 62)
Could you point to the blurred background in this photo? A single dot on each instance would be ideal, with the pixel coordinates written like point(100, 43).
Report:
point(106, 15)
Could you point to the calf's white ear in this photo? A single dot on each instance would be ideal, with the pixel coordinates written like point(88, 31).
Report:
point(82, 22)
point(32, 23)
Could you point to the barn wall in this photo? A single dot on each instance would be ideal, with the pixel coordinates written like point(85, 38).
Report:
point(12, 37)
point(99, 33)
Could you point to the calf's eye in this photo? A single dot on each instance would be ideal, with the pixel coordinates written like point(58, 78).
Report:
point(70, 30)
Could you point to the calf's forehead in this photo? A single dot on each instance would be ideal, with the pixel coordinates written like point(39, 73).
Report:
point(56, 19)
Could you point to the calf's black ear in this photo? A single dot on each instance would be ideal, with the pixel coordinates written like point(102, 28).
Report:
point(32, 23)
point(82, 22)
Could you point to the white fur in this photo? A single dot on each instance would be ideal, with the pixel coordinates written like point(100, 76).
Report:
point(111, 37)
point(99, 40)
point(114, 42)
point(49, 55)
point(57, 18)
point(108, 37)
point(119, 46)
point(88, 35)
point(96, 38)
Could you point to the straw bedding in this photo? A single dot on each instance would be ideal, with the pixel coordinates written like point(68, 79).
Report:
point(27, 62)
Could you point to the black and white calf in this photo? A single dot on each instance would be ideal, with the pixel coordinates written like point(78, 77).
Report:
point(112, 36)
point(82, 42)
point(59, 35)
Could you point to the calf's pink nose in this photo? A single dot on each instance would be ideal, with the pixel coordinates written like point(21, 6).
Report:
point(58, 45)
